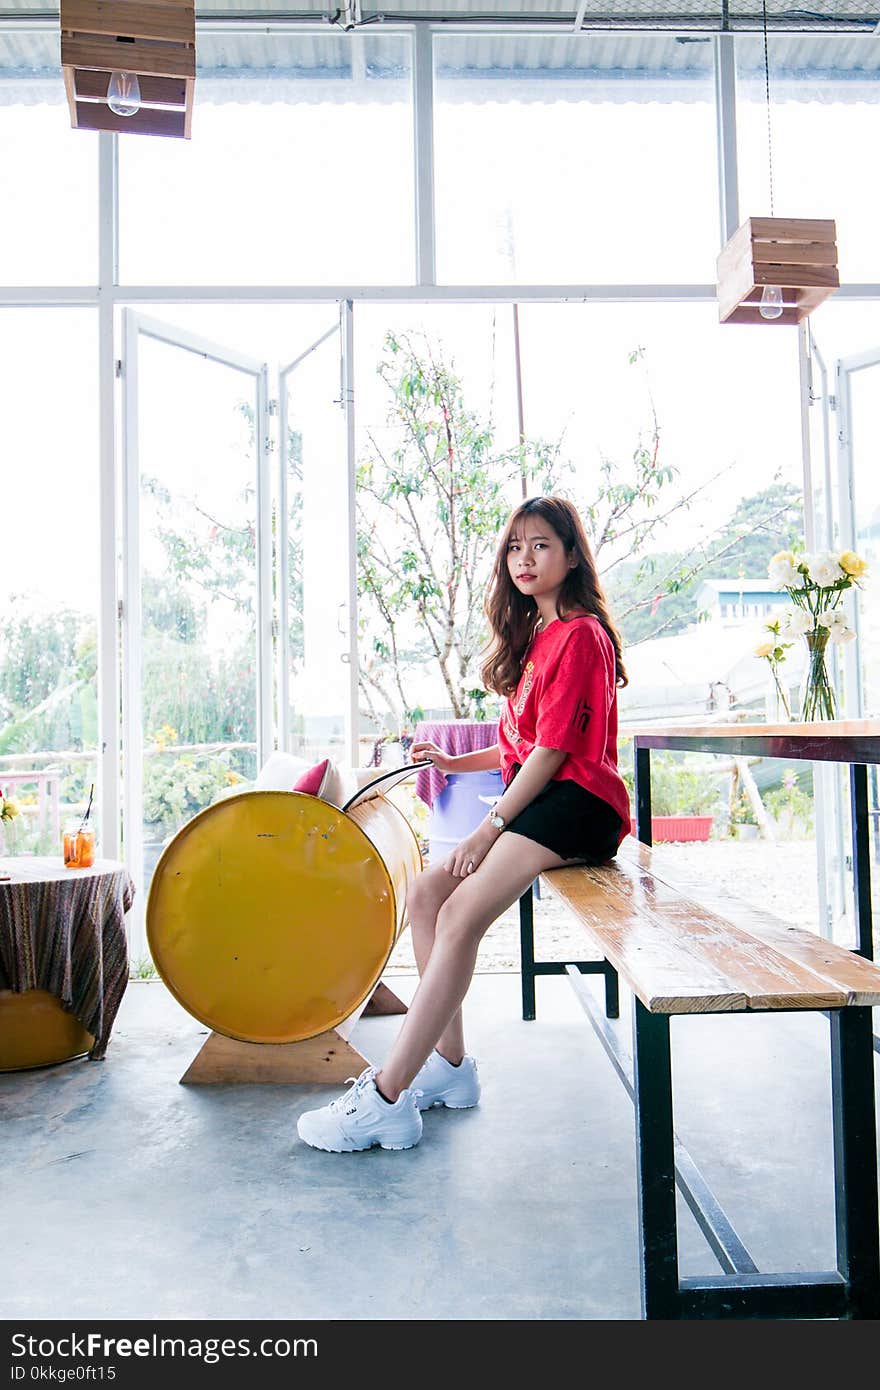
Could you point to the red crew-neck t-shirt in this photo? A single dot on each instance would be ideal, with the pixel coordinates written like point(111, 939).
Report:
point(567, 699)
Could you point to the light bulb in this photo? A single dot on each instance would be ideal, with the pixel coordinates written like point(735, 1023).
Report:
point(124, 93)
point(771, 302)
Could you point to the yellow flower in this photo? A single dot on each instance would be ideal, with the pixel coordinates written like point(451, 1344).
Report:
point(853, 564)
point(764, 648)
point(8, 809)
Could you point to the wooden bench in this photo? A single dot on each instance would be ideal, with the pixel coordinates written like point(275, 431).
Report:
point(684, 948)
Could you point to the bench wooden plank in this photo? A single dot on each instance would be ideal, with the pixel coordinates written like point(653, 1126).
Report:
point(661, 962)
point(842, 970)
point(683, 956)
point(685, 936)
point(768, 980)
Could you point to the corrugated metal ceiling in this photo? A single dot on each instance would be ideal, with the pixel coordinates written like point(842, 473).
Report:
point(712, 13)
point(250, 63)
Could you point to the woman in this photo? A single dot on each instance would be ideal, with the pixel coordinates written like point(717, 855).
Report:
point(556, 655)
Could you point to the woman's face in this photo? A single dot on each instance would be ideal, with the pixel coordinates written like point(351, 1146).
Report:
point(537, 560)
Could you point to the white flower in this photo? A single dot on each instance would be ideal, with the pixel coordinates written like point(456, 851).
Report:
point(840, 635)
point(824, 570)
point(783, 573)
point(832, 618)
point(795, 621)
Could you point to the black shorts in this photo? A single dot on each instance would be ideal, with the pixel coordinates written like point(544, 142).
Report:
point(570, 821)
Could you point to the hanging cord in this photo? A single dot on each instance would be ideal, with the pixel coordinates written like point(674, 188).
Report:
point(767, 95)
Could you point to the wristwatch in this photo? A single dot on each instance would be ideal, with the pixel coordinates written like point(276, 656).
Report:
point(498, 821)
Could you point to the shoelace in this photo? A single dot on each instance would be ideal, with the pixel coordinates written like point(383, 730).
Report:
point(347, 1102)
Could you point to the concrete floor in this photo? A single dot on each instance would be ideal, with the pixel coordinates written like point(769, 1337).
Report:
point(129, 1196)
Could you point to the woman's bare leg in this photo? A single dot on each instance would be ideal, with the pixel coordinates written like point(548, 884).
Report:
point(462, 920)
point(426, 897)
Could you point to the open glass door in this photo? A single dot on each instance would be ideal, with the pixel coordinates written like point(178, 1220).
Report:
point(197, 583)
point(857, 383)
point(317, 678)
point(858, 409)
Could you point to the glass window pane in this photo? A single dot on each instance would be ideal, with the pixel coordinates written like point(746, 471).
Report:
point(300, 169)
point(824, 114)
point(49, 573)
point(580, 159)
point(603, 387)
point(48, 171)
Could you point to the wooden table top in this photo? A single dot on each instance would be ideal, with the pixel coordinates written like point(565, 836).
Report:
point(832, 740)
point(826, 728)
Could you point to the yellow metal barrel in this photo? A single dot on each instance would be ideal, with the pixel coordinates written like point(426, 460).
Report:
point(271, 914)
point(36, 1030)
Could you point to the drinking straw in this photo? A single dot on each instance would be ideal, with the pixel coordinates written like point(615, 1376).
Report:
point(88, 809)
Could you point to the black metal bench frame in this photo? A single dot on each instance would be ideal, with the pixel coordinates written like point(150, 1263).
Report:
point(850, 1291)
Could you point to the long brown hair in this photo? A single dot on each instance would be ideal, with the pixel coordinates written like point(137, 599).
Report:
point(512, 614)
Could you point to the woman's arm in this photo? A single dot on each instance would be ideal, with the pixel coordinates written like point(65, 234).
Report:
point(537, 770)
point(481, 760)
point(533, 776)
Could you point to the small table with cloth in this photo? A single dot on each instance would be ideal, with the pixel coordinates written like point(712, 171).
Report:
point(62, 948)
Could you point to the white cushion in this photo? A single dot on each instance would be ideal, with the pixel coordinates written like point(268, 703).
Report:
point(280, 771)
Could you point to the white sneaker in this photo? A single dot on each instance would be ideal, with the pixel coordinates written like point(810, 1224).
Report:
point(361, 1118)
point(440, 1083)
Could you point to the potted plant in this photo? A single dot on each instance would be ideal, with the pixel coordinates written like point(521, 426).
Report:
point(684, 801)
point(743, 825)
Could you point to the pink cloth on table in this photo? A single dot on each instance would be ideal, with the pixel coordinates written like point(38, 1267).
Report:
point(453, 736)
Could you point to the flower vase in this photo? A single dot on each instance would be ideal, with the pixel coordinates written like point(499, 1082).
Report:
point(817, 692)
point(776, 706)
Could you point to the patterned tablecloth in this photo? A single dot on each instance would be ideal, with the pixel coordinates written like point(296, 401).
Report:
point(455, 736)
point(63, 930)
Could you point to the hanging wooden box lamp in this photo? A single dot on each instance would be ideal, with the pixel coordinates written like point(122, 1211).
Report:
point(777, 269)
point(129, 65)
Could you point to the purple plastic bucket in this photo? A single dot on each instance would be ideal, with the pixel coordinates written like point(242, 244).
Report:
point(458, 809)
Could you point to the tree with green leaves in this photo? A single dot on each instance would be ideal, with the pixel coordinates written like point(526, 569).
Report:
point(656, 593)
point(48, 681)
point(432, 502)
point(210, 561)
point(430, 506)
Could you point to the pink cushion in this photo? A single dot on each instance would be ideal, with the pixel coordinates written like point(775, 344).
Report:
point(312, 782)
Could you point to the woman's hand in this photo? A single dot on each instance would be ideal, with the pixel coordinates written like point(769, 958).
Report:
point(470, 853)
point(444, 762)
